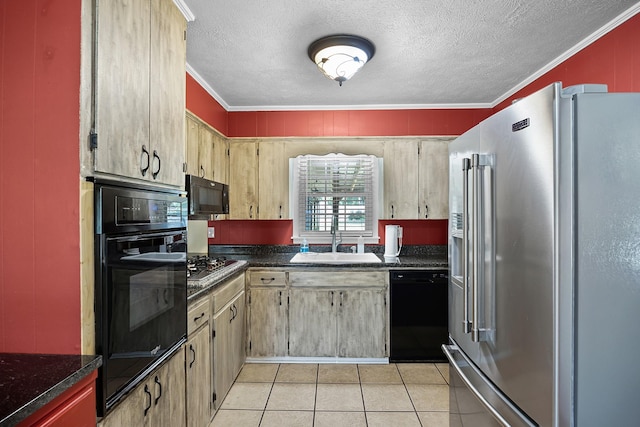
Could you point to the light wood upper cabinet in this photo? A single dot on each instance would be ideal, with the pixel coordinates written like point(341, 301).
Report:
point(243, 180)
point(205, 153)
point(400, 179)
point(274, 180)
point(416, 178)
point(122, 116)
point(140, 89)
point(207, 150)
point(192, 138)
point(167, 94)
point(220, 163)
point(433, 182)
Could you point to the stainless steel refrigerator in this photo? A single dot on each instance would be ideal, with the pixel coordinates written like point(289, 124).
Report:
point(544, 258)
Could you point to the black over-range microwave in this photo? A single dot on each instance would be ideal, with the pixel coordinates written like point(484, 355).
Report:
point(206, 197)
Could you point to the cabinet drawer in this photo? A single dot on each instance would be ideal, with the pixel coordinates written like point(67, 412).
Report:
point(198, 315)
point(225, 292)
point(338, 278)
point(268, 278)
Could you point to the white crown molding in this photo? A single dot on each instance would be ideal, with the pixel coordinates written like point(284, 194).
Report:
point(186, 12)
point(197, 77)
point(359, 107)
point(617, 21)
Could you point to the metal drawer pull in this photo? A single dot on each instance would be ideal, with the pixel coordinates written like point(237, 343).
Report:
point(267, 279)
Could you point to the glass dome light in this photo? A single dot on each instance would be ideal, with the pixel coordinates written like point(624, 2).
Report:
point(339, 57)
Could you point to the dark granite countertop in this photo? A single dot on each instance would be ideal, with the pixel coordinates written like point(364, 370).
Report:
point(30, 381)
point(423, 256)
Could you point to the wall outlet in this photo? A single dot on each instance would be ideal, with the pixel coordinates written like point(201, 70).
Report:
point(211, 232)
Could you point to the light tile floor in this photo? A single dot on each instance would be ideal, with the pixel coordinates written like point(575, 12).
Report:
point(332, 395)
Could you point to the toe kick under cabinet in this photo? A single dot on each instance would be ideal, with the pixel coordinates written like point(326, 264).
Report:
point(318, 313)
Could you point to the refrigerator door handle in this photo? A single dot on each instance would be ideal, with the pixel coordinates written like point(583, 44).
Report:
point(466, 324)
point(478, 189)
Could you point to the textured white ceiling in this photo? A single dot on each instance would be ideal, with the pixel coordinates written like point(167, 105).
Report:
point(252, 54)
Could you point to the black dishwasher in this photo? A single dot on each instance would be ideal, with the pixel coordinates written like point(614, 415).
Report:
point(419, 318)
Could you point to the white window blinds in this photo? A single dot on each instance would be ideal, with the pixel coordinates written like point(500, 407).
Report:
point(338, 191)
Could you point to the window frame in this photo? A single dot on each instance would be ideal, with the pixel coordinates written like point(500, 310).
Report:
point(370, 236)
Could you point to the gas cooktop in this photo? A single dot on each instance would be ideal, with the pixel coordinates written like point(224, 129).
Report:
point(203, 271)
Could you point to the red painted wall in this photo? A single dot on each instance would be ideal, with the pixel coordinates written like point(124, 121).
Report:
point(354, 122)
point(203, 105)
point(39, 176)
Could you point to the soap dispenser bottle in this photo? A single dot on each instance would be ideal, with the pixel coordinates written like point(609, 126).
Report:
point(360, 245)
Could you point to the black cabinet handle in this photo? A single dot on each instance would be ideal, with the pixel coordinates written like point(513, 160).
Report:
point(147, 392)
point(195, 319)
point(157, 381)
point(155, 173)
point(267, 279)
point(201, 171)
point(194, 355)
point(233, 315)
point(251, 212)
point(280, 294)
point(392, 211)
point(426, 211)
point(143, 154)
point(280, 215)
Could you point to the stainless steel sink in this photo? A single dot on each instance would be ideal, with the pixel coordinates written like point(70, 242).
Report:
point(335, 258)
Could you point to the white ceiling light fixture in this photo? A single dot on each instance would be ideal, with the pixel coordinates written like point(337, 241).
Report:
point(339, 57)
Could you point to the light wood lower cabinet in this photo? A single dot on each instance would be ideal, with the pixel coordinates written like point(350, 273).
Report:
point(267, 313)
point(361, 323)
point(317, 313)
point(337, 323)
point(198, 366)
point(267, 320)
point(312, 323)
point(228, 337)
point(158, 401)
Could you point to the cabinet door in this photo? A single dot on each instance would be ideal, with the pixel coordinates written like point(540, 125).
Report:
point(400, 180)
point(131, 410)
point(192, 139)
point(167, 93)
point(168, 390)
point(205, 153)
point(220, 159)
point(434, 179)
point(198, 365)
point(361, 323)
point(267, 322)
point(122, 114)
point(238, 337)
point(312, 323)
point(243, 180)
point(222, 345)
point(274, 180)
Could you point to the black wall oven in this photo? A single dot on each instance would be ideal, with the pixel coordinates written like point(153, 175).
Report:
point(141, 283)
